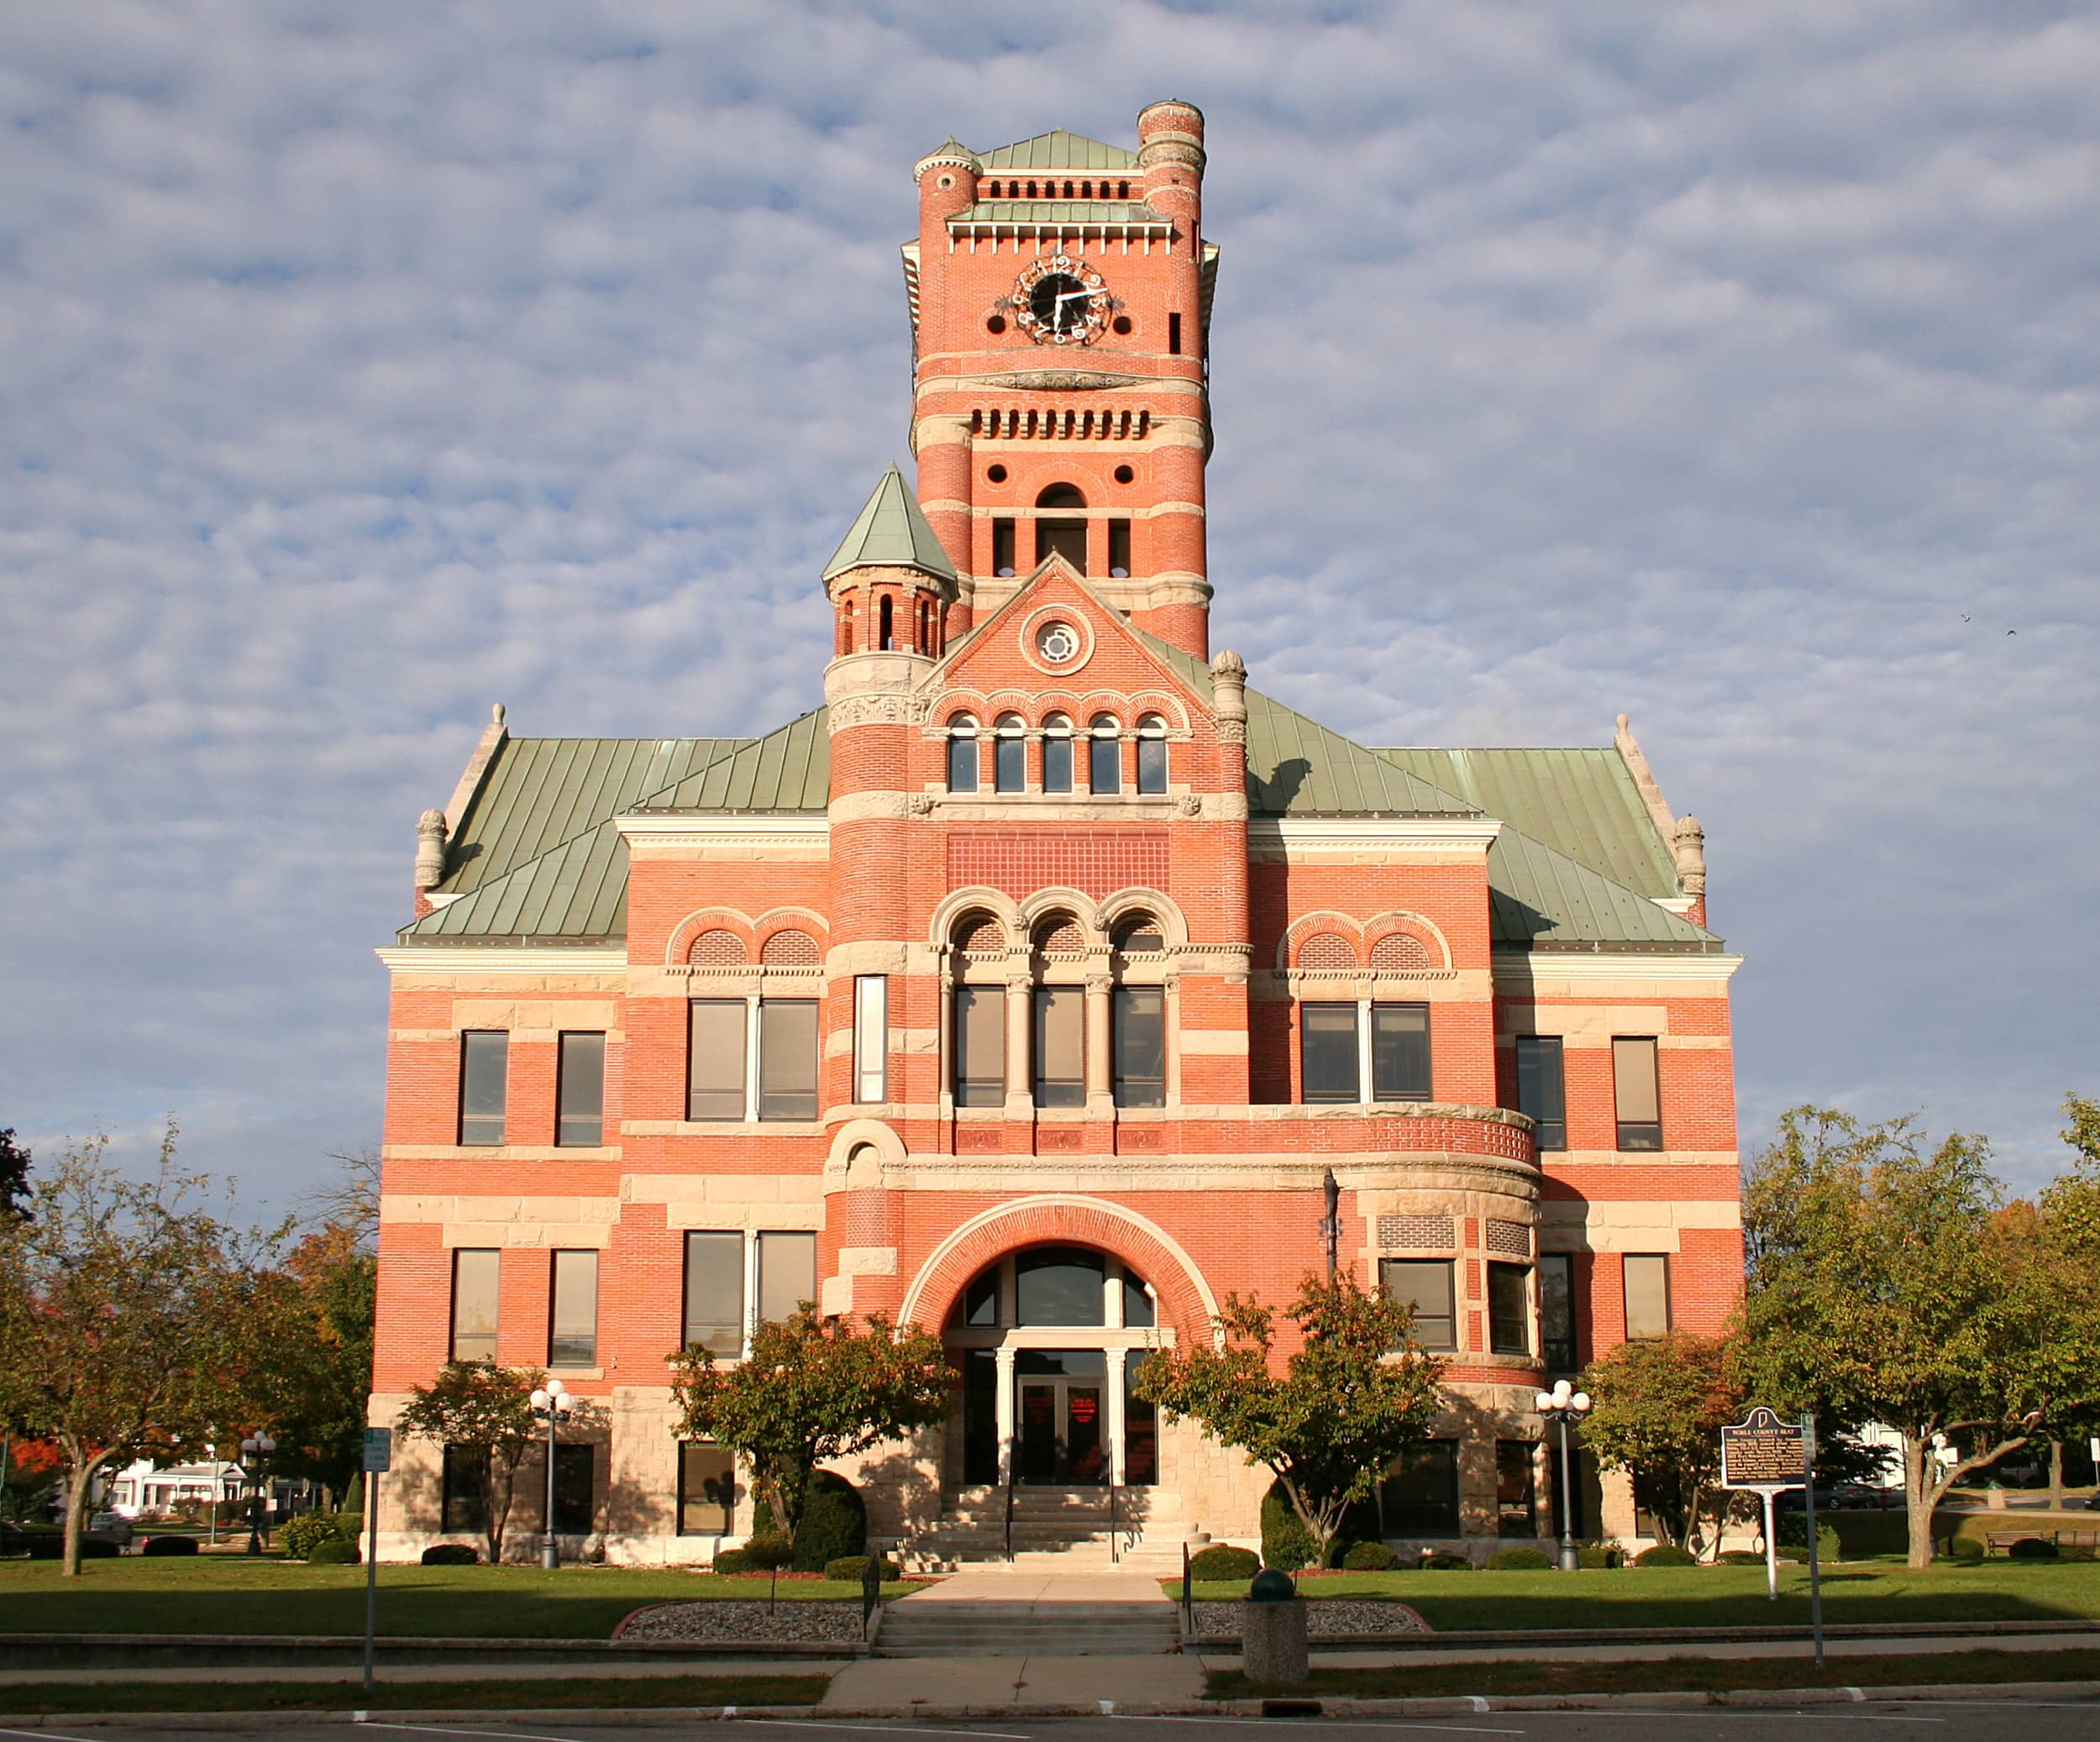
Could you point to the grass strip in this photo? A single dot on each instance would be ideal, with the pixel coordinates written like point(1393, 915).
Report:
point(1670, 1675)
point(23, 1699)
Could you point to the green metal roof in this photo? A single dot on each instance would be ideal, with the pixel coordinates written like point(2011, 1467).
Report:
point(1582, 802)
point(788, 770)
point(890, 530)
point(1058, 149)
point(1542, 899)
point(1060, 211)
point(576, 891)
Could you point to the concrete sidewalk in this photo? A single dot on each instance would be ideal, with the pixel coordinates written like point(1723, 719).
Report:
point(1637, 1651)
point(901, 1684)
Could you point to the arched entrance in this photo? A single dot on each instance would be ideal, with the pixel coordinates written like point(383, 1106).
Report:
point(1049, 1339)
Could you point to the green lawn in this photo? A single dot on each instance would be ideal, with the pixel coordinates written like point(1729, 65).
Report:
point(241, 1596)
point(24, 1698)
point(1720, 1596)
point(1430, 1681)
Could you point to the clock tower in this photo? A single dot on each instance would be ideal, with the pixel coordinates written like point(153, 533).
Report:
point(1060, 291)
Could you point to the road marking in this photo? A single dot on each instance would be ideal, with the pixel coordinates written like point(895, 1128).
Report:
point(43, 1735)
point(432, 1730)
point(901, 1730)
point(1745, 1712)
point(1329, 1723)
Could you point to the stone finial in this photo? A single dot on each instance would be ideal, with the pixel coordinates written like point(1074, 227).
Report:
point(497, 714)
point(1228, 683)
point(430, 849)
point(1687, 847)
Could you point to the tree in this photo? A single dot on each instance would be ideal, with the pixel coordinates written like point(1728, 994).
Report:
point(811, 1389)
point(1657, 1411)
point(1886, 1283)
point(14, 1174)
point(1356, 1394)
point(127, 1321)
point(478, 1406)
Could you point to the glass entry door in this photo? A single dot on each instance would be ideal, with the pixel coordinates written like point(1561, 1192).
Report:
point(1060, 1424)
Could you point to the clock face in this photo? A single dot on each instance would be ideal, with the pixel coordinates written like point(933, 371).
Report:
point(1062, 301)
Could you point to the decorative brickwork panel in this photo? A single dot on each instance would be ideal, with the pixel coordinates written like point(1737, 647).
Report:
point(1398, 954)
point(791, 949)
point(717, 949)
point(1511, 1239)
point(979, 934)
point(1098, 861)
point(1326, 950)
point(1062, 938)
point(1416, 1233)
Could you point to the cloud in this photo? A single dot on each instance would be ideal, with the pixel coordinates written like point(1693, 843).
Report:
point(367, 366)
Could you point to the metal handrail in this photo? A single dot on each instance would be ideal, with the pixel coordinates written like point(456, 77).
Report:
point(1010, 1462)
point(1113, 1556)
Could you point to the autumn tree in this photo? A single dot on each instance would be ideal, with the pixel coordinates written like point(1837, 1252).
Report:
point(811, 1389)
point(1356, 1394)
point(478, 1406)
point(14, 1173)
point(1888, 1283)
point(1656, 1411)
point(127, 1318)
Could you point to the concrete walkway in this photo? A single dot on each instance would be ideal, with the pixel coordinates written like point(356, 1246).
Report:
point(1029, 1586)
point(897, 1684)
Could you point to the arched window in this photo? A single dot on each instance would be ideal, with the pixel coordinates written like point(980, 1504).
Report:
point(1057, 754)
point(978, 933)
point(886, 630)
point(846, 627)
point(961, 753)
point(790, 949)
point(1009, 756)
point(1152, 754)
point(717, 948)
point(1326, 950)
point(1059, 933)
point(1104, 755)
point(1138, 934)
point(1061, 531)
point(1399, 952)
point(1060, 496)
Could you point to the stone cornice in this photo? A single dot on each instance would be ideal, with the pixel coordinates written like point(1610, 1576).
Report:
point(1511, 965)
point(505, 958)
point(1350, 834)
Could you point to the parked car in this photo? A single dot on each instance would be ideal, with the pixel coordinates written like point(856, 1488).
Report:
point(113, 1525)
point(1865, 1496)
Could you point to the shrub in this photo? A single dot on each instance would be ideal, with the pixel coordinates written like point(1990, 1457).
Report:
point(1286, 1544)
point(1793, 1533)
point(335, 1552)
point(301, 1536)
point(728, 1562)
point(160, 1546)
point(2033, 1548)
point(1519, 1560)
point(1595, 1556)
point(1742, 1557)
point(1965, 1548)
point(834, 1524)
point(1665, 1554)
point(1370, 1557)
point(451, 1553)
point(767, 1554)
point(1446, 1563)
point(1223, 1564)
point(852, 1569)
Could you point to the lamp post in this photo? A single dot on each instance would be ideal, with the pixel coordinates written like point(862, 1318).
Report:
point(258, 1448)
point(1330, 1224)
point(229, 1481)
point(550, 1403)
point(1561, 1405)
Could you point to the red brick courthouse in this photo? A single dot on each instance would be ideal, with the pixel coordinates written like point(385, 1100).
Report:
point(1029, 986)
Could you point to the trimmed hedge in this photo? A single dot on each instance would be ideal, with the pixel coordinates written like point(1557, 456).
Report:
point(301, 1536)
point(1594, 1556)
point(834, 1524)
point(1965, 1548)
point(852, 1569)
point(451, 1553)
point(1664, 1554)
point(1793, 1533)
point(335, 1552)
point(1742, 1557)
point(1369, 1557)
point(1519, 1560)
point(1223, 1564)
point(159, 1546)
point(1442, 1562)
point(1286, 1544)
point(2033, 1548)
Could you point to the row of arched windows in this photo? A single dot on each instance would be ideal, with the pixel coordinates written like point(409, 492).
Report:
point(999, 190)
point(1059, 766)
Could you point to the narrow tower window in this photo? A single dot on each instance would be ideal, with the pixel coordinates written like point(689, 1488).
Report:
point(1009, 756)
point(1003, 547)
point(885, 634)
point(1119, 547)
point(1152, 754)
point(1057, 754)
point(962, 754)
point(1104, 755)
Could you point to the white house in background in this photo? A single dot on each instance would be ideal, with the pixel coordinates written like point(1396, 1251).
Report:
point(142, 1489)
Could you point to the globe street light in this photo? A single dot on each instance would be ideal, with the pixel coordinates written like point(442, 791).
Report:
point(257, 1447)
point(1563, 1404)
point(551, 1403)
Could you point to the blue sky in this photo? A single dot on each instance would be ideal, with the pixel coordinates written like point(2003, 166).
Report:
point(1730, 366)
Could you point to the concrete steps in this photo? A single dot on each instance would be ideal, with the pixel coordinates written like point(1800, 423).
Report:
point(1067, 1526)
point(918, 1629)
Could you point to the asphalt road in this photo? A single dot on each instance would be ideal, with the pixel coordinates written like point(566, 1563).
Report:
point(1924, 1721)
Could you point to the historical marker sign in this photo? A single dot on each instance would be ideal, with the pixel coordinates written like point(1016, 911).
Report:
point(1764, 1452)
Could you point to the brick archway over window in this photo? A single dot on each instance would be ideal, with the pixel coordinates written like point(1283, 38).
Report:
point(1184, 1302)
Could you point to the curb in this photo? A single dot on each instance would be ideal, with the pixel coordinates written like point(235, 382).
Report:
point(1789, 1634)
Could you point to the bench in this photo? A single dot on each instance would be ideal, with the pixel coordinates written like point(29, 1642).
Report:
point(2000, 1542)
point(2078, 1539)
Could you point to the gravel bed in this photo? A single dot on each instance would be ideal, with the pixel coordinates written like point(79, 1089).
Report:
point(733, 1619)
point(1324, 1616)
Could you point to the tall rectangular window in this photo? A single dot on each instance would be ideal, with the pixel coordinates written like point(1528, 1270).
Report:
point(714, 1293)
point(1060, 1045)
point(1516, 1494)
point(871, 1037)
point(1400, 1051)
point(1633, 1081)
point(1556, 1311)
point(707, 1489)
point(1119, 547)
point(1647, 1296)
point(1138, 1045)
point(1174, 335)
point(715, 1065)
point(1327, 1051)
point(787, 1275)
point(1009, 763)
point(463, 1489)
point(572, 1337)
point(484, 1065)
point(1151, 764)
point(581, 1091)
point(476, 1272)
point(1419, 1495)
point(980, 1046)
point(1064, 538)
point(961, 762)
point(1056, 762)
point(1105, 762)
point(575, 1473)
point(1541, 1087)
point(1426, 1285)
point(1509, 1309)
point(1002, 547)
point(787, 1058)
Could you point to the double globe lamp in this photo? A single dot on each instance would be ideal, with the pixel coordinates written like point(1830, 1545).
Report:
point(1561, 1405)
point(256, 1448)
point(551, 1403)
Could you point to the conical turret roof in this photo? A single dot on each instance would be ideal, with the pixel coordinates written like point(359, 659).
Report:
point(891, 532)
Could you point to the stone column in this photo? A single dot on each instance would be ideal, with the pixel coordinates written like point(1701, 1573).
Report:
point(1003, 1413)
point(1020, 1100)
point(1100, 1085)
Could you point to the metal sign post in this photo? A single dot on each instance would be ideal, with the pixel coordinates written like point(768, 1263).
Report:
point(379, 1458)
point(1815, 1574)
